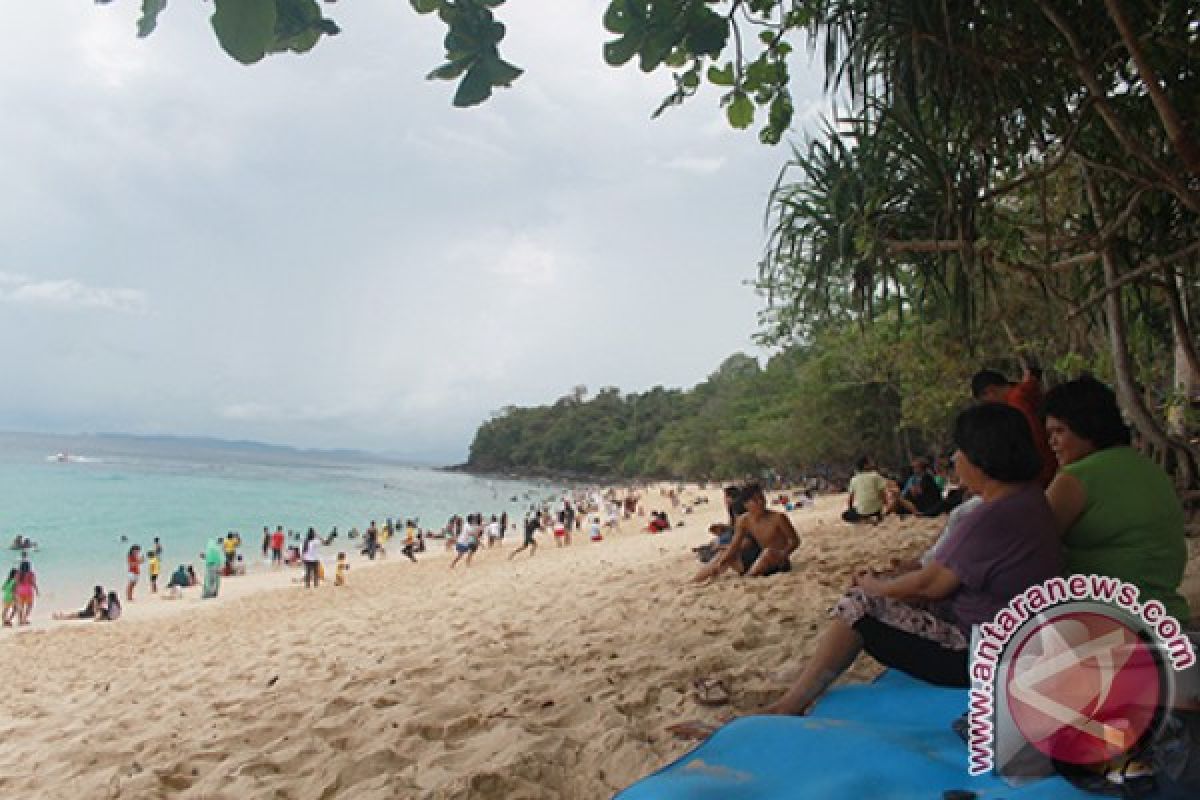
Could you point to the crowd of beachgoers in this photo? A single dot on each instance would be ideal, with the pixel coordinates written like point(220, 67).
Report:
point(568, 515)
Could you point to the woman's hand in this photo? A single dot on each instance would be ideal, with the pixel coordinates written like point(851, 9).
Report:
point(869, 582)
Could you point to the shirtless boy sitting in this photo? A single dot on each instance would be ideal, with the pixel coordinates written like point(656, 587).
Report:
point(763, 541)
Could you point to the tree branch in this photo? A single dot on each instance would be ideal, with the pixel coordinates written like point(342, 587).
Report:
point(1176, 130)
point(1106, 112)
point(1153, 264)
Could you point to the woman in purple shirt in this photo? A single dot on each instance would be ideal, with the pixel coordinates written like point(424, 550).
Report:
point(920, 622)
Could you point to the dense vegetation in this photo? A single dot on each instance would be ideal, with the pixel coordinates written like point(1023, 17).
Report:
point(888, 390)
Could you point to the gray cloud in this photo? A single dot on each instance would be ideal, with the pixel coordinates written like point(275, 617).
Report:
point(319, 250)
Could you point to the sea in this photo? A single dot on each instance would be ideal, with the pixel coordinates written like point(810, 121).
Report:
point(85, 499)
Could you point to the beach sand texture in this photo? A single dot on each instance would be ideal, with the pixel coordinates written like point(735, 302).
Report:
point(543, 677)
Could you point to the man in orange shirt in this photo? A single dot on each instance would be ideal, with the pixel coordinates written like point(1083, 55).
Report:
point(989, 386)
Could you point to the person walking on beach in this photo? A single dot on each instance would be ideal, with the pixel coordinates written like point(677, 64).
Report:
point(134, 560)
point(311, 556)
point(532, 525)
point(213, 559)
point(468, 541)
point(266, 546)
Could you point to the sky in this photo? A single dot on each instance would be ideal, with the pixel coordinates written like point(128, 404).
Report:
point(320, 251)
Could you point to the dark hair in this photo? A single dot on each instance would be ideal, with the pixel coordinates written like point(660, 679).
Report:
point(985, 379)
point(862, 463)
point(1089, 409)
point(750, 490)
point(996, 438)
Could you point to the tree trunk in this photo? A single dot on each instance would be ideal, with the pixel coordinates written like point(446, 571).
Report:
point(1127, 393)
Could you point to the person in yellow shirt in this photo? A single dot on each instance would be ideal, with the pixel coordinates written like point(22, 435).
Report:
point(339, 575)
point(153, 565)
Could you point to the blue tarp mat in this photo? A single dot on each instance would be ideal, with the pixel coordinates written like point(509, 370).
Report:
point(888, 739)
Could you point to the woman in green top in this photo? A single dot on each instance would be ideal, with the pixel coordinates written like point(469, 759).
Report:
point(1118, 511)
point(10, 598)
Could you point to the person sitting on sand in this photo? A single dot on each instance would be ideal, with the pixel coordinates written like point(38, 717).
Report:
point(866, 493)
point(920, 622)
point(920, 495)
point(95, 605)
point(763, 541)
point(1117, 510)
point(178, 582)
point(111, 611)
point(340, 570)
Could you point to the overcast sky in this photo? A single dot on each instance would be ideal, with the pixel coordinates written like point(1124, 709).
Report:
point(320, 251)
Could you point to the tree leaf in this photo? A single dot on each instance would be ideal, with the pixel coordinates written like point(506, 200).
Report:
point(740, 111)
point(619, 52)
point(474, 88)
point(245, 28)
point(721, 77)
point(426, 6)
point(617, 18)
point(451, 70)
point(149, 18)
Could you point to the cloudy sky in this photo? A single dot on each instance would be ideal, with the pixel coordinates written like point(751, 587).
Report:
point(320, 251)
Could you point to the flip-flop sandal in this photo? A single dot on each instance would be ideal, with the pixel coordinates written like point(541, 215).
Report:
point(692, 730)
point(710, 692)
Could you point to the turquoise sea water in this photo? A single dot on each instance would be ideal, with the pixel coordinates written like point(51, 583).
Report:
point(186, 491)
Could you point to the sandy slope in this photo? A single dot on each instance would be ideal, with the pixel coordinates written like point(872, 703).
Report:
point(545, 677)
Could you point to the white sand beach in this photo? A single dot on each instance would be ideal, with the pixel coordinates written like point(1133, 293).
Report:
point(543, 677)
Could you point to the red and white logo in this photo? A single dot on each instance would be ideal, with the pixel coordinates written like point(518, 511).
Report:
point(1084, 687)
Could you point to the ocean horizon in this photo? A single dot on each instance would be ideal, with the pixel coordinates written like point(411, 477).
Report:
point(86, 498)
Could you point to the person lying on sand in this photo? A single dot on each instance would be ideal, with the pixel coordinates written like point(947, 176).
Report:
point(763, 541)
point(95, 605)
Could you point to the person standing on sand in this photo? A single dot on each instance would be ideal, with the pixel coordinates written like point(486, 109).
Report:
point(277, 547)
point(311, 556)
point(266, 545)
point(135, 570)
point(213, 559)
point(532, 525)
point(25, 591)
point(763, 541)
point(153, 566)
point(10, 597)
